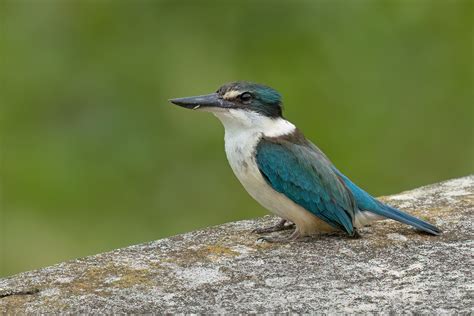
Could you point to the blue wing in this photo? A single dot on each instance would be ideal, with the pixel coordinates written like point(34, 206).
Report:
point(301, 172)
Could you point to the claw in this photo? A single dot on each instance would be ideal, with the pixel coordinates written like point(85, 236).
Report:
point(294, 236)
point(356, 234)
point(281, 225)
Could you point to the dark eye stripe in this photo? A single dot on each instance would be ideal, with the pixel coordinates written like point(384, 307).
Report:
point(246, 96)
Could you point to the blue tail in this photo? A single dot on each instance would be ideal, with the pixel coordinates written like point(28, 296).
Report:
point(393, 213)
point(366, 202)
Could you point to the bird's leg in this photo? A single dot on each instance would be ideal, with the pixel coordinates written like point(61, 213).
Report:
point(294, 236)
point(356, 234)
point(275, 228)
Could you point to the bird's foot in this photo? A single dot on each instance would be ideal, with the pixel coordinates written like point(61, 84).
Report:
point(281, 225)
point(356, 234)
point(294, 236)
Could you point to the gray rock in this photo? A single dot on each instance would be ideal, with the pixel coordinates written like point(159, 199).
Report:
point(222, 269)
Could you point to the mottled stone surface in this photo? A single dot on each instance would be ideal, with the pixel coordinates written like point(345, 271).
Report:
point(392, 268)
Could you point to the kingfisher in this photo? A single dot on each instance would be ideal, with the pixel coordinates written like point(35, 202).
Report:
point(285, 172)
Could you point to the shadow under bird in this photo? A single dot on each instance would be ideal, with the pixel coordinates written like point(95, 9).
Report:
point(284, 171)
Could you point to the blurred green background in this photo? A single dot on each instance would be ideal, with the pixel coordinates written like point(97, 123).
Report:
point(93, 157)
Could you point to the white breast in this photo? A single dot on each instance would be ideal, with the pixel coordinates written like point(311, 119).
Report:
point(243, 130)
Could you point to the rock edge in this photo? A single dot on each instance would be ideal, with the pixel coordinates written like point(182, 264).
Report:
point(222, 269)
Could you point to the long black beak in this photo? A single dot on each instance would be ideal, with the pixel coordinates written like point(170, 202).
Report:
point(208, 100)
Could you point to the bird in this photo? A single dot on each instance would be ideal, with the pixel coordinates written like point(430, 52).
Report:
point(285, 172)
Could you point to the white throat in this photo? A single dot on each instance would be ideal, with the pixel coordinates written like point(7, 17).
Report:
point(250, 124)
point(243, 131)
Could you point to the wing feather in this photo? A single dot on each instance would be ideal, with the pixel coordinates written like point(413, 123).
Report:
point(305, 175)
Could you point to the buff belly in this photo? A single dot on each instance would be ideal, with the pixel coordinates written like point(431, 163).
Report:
point(243, 131)
point(249, 175)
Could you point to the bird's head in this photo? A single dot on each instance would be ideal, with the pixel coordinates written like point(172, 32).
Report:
point(239, 96)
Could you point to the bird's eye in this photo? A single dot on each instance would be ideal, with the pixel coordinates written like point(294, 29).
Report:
point(246, 96)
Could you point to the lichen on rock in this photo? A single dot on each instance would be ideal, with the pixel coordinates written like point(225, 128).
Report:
point(393, 268)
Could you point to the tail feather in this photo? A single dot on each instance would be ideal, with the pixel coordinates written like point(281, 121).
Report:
point(367, 203)
point(395, 214)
